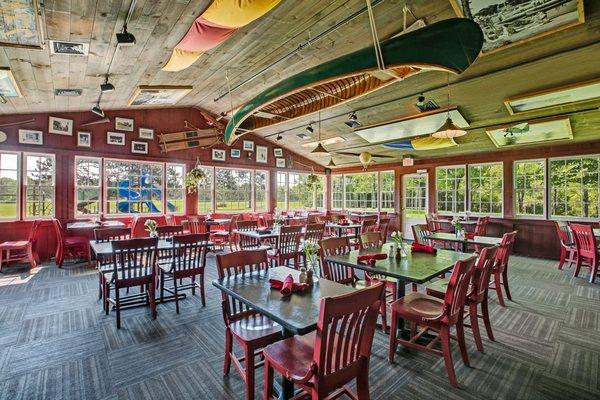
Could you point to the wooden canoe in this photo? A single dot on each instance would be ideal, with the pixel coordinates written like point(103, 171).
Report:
point(449, 45)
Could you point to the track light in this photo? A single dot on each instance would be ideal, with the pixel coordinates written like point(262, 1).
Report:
point(319, 149)
point(125, 38)
point(420, 101)
point(97, 110)
point(107, 86)
point(353, 120)
point(279, 137)
point(331, 163)
point(310, 129)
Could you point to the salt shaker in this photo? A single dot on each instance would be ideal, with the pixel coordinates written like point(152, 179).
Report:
point(302, 277)
point(309, 277)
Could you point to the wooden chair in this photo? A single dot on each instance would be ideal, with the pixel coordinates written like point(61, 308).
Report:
point(568, 249)
point(224, 237)
point(250, 329)
point(501, 266)
point(289, 246)
point(105, 263)
point(322, 364)
point(22, 250)
point(196, 224)
point(383, 226)
point(298, 222)
point(313, 234)
point(334, 271)
point(70, 246)
point(368, 225)
point(134, 263)
point(438, 315)
point(169, 231)
point(188, 259)
point(243, 242)
point(587, 250)
point(478, 293)
point(137, 225)
point(420, 233)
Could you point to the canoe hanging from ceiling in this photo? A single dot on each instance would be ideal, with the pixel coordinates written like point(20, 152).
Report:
point(216, 24)
point(449, 45)
point(424, 143)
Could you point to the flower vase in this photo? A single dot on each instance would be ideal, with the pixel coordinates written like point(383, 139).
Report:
point(153, 234)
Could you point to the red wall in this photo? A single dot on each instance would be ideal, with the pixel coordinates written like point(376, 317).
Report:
point(161, 120)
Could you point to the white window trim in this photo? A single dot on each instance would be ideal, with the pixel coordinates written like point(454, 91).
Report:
point(464, 192)
point(314, 196)
point(377, 194)
point(24, 184)
point(267, 189)
point(343, 192)
point(214, 184)
point(526, 216)
point(19, 170)
point(105, 187)
point(379, 208)
point(468, 188)
point(100, 208)
point(184, 190)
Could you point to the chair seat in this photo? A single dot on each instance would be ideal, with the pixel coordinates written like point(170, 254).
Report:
point(14, 245)
point(438, 287)
point(293, 355)
point(219, 233)
point(76, 240)
point(415, 306)
point(255, 327)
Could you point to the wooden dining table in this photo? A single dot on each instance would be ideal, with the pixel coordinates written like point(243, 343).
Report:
point(340, 228)
point(417, 267)
point(89, 225)
point(464, 242)
point(297, 314)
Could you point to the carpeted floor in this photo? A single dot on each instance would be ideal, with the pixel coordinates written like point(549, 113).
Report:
point(56, 343)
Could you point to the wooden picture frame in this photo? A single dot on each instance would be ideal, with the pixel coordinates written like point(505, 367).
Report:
point(84, 139)
point(280, 162)
point(218, 155)
point(563, 91)
point(235, 153)
point(248, 145)
point(36, 18)
point(262, 154)
point(115, 138)
point(158, 95)
point(8, 84)
point(124, 124)
point(518, 39)
point(60, 126)
point(29, 136)
point(146, 133)
point(278, 152)
point(139, 147)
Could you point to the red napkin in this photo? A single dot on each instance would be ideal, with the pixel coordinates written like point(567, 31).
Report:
point(470, 235)
point(288, 286)
point(423, 248)
point(371, 258)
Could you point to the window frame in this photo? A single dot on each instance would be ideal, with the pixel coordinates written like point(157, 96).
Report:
point(343, 192)
point(100, 186)
point(468, 189)
point(183, 188)
point(20, 207)
point(267, 189)
point(24, 185)
point(379, 198)
point(252, 191)
point(465, 192)
point(545, 214)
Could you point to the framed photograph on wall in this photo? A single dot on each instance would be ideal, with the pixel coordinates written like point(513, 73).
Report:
point(280, 162)
point(218, 155)
point(139, 147)
point(60, 126)
point(262, 154)
point(248, 145)
point(278, 152)
point(115, 138)
point(84, 139)
point(235, 153)
point(146, 133)
point(27, 136)
point(124, 124)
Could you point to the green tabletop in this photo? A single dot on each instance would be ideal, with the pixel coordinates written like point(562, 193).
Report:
point(596, 232)
point(451, 237)
point(414, 267)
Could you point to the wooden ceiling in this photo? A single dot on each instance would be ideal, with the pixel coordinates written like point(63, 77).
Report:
point(566, 56)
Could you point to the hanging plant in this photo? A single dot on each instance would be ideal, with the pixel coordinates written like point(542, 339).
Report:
point(193, 178)
point(312, 179)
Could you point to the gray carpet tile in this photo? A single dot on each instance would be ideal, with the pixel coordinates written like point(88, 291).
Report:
point(57, 343)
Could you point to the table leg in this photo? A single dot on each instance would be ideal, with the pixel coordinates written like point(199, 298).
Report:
point(401, 292)
point(464, 246)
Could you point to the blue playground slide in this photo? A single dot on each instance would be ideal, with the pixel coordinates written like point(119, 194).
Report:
point(147, 192)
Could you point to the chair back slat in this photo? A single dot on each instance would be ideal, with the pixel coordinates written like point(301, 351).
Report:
point(246, 242)
point(289, 239)
point(188, 254)
point(331, 270)
point(133, 258)
point(481, 226)
point(314, 233)
point(503, 253)
point(483, 270)
point(383, 226)
point(298, 221)
point(564, 233)
point(585, 240)
point(235, 264)
point(420, 233)
point(168, 231)
point(458, 287)
point(196, 224)
point(113, 233)
point(369, 240)
point(345, 334)
point(368, 225)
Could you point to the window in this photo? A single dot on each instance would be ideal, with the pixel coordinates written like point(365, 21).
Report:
point(133, 187)
point(415, 196)
point(386, 190)
point(233, 189)
point(176, 188)
point(337, 192)
point(39, 185)
point(361, 191)
point(9, 186)
point(281, 190)
point(205, 192)
point(261, 185)
point(485, 188)
point(529, 188)
point(450, 189)
point(320, 193)
point(87, 186)
point(574, 186)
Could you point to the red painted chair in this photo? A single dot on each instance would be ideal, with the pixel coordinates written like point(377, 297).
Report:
point(195, 224)
point(587, 250)
point(437, 315)
point(250, 329)
point(134, 264)
point(383, 226)
point(334, 271)
point(22, 250)
point(289, 246)
point(568, 249)
point(313, 234)
point(225, 236)
point(243, 242)
point(137, 226)
point(501, 266)
point(70, 246)
point(420, 233)
point(322, 364)
point(478, 293)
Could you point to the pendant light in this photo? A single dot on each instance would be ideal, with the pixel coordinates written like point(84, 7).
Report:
point(331, 163)
point(448, 130)
point(319, 149)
